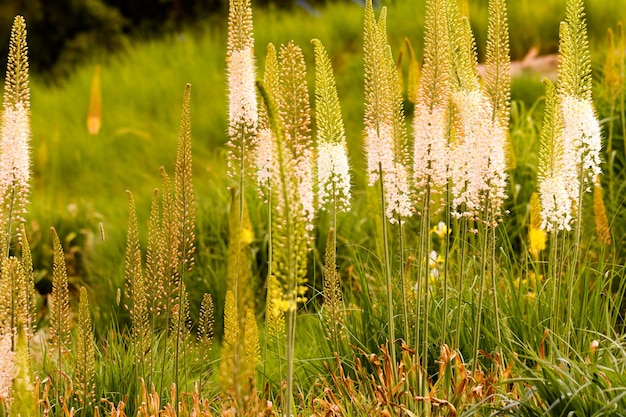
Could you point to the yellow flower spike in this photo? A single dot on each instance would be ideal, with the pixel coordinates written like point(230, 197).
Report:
point(537, 236)
point(94, 117)
point(537, 239)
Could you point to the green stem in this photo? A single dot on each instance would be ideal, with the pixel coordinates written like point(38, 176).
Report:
point(554, 277)
point(269, 274)
point(405, 308)
point(425, 254)
point(462, 266)
point(390, 315)
point(446, 251)
point(572, 271)
point(484, 261)
point(494, 284)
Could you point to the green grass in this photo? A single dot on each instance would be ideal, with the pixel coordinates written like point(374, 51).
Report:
point(79, 180)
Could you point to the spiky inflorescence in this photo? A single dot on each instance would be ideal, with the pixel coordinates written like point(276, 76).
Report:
point(59, 335)
point(498, 63)
point(294, 111)
point(231, 345)
point(241, 72)
point(16, 298)
point(7, 366)
point(581, 136)
point(478, 161)
point(169, 249)
point(24, 401)
point(333, 170)
point(430, 123)
point(240, 238)
point(385, 132)
point(603, 229)
point(185, 214)
point(333, 304)
point(155, 266)
point(290, 238)
point(556, 203)
point(84, 377)
point(536, 235)
point(11, 272)
point(264, 140)
point(136, 292)
point(15, 133)
point(275, 308)
point(251, 347)
point(462, 49)
point(574, 77)
point(206, 322)
point(184, 198)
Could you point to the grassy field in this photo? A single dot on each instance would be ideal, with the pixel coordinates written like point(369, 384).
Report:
point(79, 183)
point(141, 91)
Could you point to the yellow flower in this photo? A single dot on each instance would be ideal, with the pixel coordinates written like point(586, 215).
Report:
point(537, 242)
point(247, 236)
point(440, 230)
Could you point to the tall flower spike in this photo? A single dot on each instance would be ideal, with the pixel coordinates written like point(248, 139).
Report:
point(295, 115)
point(430, 123)
point(242, 103)
point(333, 170)
point(85, 351)
point(478, 162)
point(498, 63)
point(556, 204)
point(15, 133)
point(264, 141)
point(582, 141)
point(462, 49)
point(59, 338)
point(136, 292)
point(385, 131)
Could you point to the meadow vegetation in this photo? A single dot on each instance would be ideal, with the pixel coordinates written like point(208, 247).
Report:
point(368, 226)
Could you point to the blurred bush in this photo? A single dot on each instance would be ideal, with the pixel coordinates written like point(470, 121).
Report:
point(62, 33)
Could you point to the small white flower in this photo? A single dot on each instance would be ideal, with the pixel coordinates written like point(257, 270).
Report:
point(333, 175)
point(430, 156)
point(582, 143)
point(14, 154)
point(7, 367)
point(381, 158)
point(478, 162)
point(242, 103)
point(556, 205)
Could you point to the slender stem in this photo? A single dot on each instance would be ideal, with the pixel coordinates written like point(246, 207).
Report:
point(291, 334)
point(462, 264)
point(405, 308)
point(485, 230)
point(390, 315)
point(446, 251)
point(494, 283)
point(267, 282)
point(554, 277)
point(572, 271)
point(425, 254)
